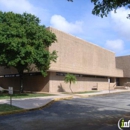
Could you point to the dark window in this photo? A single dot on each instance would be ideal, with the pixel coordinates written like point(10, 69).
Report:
point(79, 75)
point(112, 80)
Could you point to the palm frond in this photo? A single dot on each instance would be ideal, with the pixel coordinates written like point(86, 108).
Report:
point(70, 78)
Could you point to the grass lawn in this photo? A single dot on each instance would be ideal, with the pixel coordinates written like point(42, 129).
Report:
point(24, 95)
point(85, 92)
point(6, 108)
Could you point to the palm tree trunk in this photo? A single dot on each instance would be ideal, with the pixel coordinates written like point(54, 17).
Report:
point(70, 87)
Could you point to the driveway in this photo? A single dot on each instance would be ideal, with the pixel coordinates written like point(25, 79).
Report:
point(94, 113)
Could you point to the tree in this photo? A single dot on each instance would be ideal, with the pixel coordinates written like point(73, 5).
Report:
point(103, 7)
point(70, 78)
point(24, 43)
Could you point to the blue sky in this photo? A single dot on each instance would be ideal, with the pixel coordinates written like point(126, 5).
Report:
point(75, 18)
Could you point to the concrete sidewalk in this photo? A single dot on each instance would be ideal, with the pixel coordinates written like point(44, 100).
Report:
point(37, 102)
point(104, 92)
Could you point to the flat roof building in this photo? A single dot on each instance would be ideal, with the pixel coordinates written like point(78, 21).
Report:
point(92, 65)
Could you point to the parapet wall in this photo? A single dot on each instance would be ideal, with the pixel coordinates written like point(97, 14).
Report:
point(81, 57)
point(123, 62)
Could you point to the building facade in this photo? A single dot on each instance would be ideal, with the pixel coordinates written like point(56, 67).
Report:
point(123, 62)
point(93, 66)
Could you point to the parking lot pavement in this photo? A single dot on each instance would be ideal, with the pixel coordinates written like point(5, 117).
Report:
point(93, 113)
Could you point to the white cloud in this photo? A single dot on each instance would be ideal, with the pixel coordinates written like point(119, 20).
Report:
point(121, 23)
point(61, 23)
point(115, 45)
point(20, 6)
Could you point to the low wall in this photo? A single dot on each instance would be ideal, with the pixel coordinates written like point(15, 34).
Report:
point(57, 84)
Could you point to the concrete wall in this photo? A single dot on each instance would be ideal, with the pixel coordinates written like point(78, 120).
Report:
point(11, 81)
point(30, 83)
point(122, 81)
point(123, 62)
point(78, 56)
point(57, 84)
point(36, 83)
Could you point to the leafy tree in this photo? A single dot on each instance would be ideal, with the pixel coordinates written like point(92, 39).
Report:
point(70, 78)
point(24, 43)
point(103, 7)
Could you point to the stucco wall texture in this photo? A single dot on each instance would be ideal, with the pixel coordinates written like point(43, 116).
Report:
point(81, 57)
point(30, 83)
point(123, 62)
point(78, 56)
point(57, 84)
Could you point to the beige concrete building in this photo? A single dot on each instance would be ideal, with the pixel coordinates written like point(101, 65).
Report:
point(93, 66)
point(123, 62)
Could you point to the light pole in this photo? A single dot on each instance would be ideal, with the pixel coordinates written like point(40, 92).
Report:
point(109, 84)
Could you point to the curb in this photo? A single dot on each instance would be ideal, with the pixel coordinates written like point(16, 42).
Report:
point(12, 112)
point(38, 108)
point(111, 93)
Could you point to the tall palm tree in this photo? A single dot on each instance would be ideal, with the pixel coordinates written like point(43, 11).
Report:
point(70, 78)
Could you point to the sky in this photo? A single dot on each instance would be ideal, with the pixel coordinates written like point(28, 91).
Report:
point(76, 18)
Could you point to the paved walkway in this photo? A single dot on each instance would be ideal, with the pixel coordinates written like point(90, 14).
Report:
point(32, 103)
point(104, 92)
point(36, 102)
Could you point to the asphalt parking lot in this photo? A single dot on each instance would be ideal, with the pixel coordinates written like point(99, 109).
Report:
point(93, 113)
